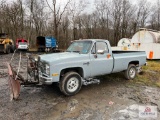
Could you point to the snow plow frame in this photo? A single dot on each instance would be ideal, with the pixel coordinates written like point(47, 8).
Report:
point(15, 80)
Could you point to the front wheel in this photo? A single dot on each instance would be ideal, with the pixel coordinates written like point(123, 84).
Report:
point(71, 83)
point(7, 49)
point(131, 72)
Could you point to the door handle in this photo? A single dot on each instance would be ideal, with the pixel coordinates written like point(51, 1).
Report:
point(87, 63)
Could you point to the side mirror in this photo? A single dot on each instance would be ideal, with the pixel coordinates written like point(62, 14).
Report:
point(100, 51)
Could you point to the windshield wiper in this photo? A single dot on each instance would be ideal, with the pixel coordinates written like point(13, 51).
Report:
point(74, 51)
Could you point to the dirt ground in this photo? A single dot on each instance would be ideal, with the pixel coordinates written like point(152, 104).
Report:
point(113, 99)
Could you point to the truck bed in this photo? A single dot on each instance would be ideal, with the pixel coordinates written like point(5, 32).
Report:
point(123, 58)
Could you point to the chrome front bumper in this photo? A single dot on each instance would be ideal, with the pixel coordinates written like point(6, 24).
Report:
point(45, 79)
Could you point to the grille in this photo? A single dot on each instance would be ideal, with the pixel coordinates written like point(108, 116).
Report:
point(41, 67)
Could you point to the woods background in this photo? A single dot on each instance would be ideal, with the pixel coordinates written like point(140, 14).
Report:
point(106, 19)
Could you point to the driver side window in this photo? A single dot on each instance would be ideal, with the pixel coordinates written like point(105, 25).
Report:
point(100, 46)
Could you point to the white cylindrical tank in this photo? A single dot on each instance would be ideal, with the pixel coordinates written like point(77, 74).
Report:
point(146, 36)
point(124, 44)
point(148, 41)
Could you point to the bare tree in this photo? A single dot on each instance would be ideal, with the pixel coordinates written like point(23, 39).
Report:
point(22, 16)
point(142, 14)
point(75, 9)
point(103, 12)
point(116, 18)
point(13, 16)
point(57, 14)
point(111, 19)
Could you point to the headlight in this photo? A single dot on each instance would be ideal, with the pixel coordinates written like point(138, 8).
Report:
point(47, 69)
point(36, 58)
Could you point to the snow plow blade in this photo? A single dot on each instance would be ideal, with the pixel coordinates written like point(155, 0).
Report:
point(15, 80)
point(14, 83)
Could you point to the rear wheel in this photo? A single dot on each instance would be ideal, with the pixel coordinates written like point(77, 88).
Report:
point(70, 83)
point(131, 72)
point(12, 49)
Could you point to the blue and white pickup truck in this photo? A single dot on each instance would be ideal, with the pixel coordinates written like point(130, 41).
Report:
point(85, 59)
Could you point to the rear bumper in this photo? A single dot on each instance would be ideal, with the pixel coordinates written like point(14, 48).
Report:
point(22, 48)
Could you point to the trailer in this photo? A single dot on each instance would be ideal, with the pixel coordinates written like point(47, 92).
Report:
point(147, 40)
point(47, 43)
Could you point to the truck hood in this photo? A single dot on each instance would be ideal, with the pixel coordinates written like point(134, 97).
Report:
point(49, 58)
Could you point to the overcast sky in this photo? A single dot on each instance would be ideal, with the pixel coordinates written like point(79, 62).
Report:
point(90, 1)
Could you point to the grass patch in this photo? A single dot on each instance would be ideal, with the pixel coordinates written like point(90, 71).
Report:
point(158, 84)
point(150, 75)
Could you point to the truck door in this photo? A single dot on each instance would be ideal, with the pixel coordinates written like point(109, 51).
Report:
point(101, 59)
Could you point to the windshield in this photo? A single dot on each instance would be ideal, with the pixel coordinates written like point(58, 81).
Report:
point(82, 47)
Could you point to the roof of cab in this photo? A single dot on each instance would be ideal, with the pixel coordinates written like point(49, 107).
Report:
point(91, 40)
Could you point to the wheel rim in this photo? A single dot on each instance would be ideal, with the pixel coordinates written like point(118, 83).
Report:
point(72, 84)
point(132, 72)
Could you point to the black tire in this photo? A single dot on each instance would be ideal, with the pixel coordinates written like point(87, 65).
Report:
point(131, 72)
point(12, 48)
point(67, 87)
point(8, 49)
